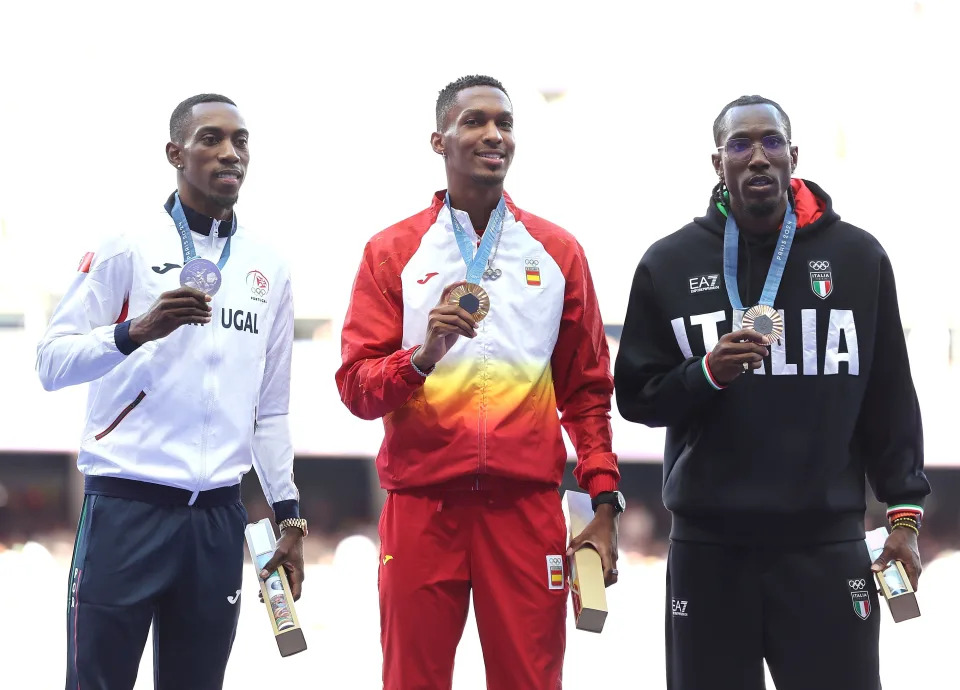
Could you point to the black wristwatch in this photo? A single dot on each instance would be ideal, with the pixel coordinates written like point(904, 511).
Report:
point(614, 498)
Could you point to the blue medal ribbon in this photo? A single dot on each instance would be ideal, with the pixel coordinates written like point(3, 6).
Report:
point(731, 241)
point(186, 239)
point(476, 264)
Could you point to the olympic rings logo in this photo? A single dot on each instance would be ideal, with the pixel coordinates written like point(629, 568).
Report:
point(819, 265)
point(531, 262)
point(259, 285)
point(857, 584)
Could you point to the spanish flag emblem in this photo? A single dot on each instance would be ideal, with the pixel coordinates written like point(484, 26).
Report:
point(555, 572)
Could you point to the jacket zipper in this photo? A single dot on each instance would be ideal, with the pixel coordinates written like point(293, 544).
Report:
point(209, 382)
point(482, 419)
point(120, 417)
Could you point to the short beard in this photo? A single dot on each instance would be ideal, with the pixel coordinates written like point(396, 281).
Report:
point(490, 180)
point(227, 202)
point(762, 209)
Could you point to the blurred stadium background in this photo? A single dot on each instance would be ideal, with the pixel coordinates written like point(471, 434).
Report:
point(614, 106)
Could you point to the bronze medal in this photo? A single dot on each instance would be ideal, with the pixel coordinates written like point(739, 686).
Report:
point(765, 321)
point(471, 298)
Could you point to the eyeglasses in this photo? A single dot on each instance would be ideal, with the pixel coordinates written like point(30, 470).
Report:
point(741, 149)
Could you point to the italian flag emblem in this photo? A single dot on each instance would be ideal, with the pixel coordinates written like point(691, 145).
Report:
point(822, 288)
point(861, 604)
point(821, 278)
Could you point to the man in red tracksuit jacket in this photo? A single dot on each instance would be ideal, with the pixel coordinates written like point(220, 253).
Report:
point(469, 392)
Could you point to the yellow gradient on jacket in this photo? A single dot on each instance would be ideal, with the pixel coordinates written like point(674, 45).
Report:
point(458, 392)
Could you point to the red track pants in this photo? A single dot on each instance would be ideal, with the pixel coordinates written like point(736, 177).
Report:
point(437, 545)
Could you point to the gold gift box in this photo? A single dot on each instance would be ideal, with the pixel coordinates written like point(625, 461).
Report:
point(587, 589)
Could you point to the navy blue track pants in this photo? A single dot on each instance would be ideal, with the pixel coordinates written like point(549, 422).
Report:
point(137, 563)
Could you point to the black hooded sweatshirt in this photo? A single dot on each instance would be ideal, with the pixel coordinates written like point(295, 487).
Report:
point(781, 454)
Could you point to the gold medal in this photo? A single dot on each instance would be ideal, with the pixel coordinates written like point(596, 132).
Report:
point(471, 298)
point(765, 321)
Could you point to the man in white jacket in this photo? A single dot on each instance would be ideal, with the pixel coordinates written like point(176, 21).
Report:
point(183, 326)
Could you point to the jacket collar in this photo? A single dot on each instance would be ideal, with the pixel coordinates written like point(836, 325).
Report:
point(198, 222)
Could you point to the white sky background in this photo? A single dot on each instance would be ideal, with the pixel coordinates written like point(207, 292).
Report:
point(339, 98)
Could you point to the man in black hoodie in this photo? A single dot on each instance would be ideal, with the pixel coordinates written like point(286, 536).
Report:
point(772, 428)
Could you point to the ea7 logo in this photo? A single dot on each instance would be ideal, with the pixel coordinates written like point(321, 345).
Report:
point(706, 283)
point(679, 607)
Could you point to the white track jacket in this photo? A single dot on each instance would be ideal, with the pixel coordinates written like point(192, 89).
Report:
point(195, 409)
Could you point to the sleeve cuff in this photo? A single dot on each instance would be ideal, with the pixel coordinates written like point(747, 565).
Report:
point(283, 510)
point(408, 371)
point(708, 375)
point(601, 482)
point(121, 338)
point(911, 506)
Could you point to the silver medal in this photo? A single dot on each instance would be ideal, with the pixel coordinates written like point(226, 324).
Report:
point(202, 275)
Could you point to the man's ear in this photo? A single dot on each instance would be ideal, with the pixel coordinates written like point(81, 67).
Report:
point(175, 155)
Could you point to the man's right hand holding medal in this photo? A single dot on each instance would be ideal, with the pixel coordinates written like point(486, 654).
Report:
point(737, 352)
point(446, 323)
point(173, 309)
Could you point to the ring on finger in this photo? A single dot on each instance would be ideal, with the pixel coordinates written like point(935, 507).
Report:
point(746, 367)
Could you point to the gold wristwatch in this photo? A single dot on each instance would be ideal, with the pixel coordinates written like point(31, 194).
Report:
point(299, 523)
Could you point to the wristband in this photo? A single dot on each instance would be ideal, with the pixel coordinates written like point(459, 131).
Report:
point(912, 509)
point(709, 374)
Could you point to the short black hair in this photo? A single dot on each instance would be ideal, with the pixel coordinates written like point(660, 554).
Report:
point(747, 100)
point(449, 93)
point(181, 114)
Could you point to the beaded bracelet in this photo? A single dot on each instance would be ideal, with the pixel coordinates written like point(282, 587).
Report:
point(908, 526)
point(911, 518)
point(906, 521)
point(906, 518)
point(906, 515)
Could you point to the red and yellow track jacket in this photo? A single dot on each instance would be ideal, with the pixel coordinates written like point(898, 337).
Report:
point(490, 407)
